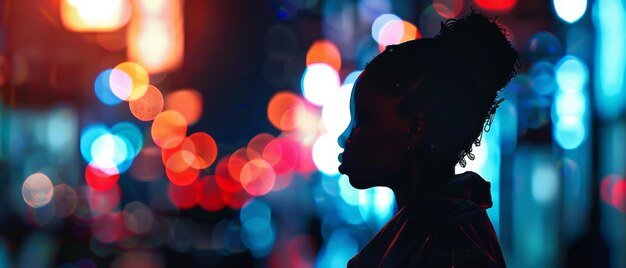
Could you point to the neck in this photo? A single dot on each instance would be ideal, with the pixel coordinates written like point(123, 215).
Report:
point(421, 180)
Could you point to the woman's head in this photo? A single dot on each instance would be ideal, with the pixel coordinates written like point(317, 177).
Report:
point(426, 101)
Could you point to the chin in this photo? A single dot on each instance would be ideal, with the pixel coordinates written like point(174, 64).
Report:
point(358, 178)
point(359, 183)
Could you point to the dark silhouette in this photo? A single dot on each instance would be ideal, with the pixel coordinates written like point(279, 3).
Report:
point(417, 109)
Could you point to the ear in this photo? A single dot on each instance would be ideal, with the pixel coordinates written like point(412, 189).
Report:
point(417, 129)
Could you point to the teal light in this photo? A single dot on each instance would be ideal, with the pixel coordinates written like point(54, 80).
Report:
point(377, 206)
point(339, 248)
point(571, 74)
point(610, 57)
point(89, 134)
point(569, 132)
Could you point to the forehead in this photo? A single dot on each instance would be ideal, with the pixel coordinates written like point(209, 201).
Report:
point(376, 84)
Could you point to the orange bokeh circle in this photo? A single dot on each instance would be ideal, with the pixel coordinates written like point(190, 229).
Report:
point(148, 106)
point(257, 177)
point(187, 102)
point(236, 161)
point(324, 51)
point(169, 129)
point(129, 81)
point(284, 110)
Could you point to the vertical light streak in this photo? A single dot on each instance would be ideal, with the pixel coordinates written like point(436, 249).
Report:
point(610, 57)
point(156, 35)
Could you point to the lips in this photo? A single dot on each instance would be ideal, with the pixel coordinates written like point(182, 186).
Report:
point(342, 169)
point(342, 166)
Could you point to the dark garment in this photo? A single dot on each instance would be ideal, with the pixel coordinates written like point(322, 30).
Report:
point(446, 229)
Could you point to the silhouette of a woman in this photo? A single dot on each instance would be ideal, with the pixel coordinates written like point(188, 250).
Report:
point(417, 108)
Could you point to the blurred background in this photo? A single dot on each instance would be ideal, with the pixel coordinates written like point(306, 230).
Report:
point(154, 133)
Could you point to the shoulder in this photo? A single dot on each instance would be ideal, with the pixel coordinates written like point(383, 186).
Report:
point(462, 239)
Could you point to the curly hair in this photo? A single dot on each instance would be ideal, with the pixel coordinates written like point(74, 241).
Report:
point(454, 78)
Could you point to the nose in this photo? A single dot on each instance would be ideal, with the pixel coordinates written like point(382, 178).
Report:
point(342, 140)
point(345, 137)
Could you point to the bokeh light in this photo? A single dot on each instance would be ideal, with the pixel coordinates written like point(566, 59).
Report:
point(606, 187)
point(202, 148)
point(545, 183)
point(352, 77)
point(618, 195)
point(182, 196)
point(339, 248)
point(325, 152)
point(396, 32)
point(570, 10)
point(319, 83)
point(569, 104)
point(94, 16)
point(377, 206)
point(544, 46)
point(236, 200)
point(132, 136)
point(223, 178)
point(236, 162)
point(379, 24)
point(99, 180)
point(255, 208)
point(257, 145)
point(184, 177)
point(283, 110)
point(88, 136)
point(156, 35)
point(148, 106)
point(138, 217)
point(282, 153)
point(109, 152)
point(274, 197)
point(208, 194)
point(147, 165)
point(258, 235)
point(448, 8)
point(64, 200)
point(569, 132)
point(37, 190)
point(324, 51)
point(257, 177)
point(103, 202)
point(187, 102)
point(542, 78)
point(572, 74)
point(430, 21)
point(176, 158)
point(169, 129)
point(496, 5)
point(102, 88)
point(336, 112)
point(129, 81)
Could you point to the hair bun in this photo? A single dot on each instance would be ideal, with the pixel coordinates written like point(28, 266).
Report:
point(482, 47)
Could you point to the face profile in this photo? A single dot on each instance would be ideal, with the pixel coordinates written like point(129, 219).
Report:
point(417, 109)
point(376, 141)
